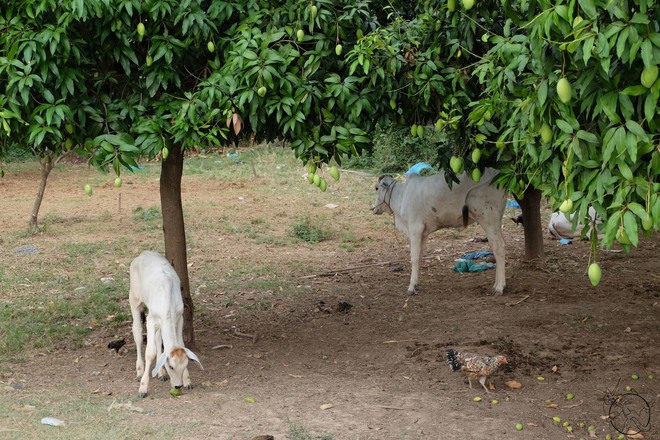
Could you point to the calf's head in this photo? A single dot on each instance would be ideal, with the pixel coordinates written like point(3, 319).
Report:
point(175, 362)
point(383, 195)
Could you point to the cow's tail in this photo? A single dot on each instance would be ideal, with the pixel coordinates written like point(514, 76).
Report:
point(466, 215)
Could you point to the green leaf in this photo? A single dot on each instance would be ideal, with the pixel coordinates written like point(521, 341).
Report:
point(617, 136)
point(647, 53)
point(634, 127)
point(588, 137)
point(621, 42)
point(587, 48)
point(637, 209)
point(630, 225)
point(635, 90)
point(625, 170)
point(631, 146)
point(640, 18)
point(564, 126)
point(543, 92)
point(650, 104)
point(589, 7)
point(250, 55)
point(49, 96)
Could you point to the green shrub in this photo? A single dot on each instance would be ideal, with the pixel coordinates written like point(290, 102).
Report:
point(306, 231)
point(395, 150)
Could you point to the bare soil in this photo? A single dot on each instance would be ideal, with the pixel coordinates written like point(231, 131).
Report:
point(348, 355)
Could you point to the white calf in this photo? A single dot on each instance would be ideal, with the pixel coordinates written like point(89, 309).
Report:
point(155, 284)
point(422, 205)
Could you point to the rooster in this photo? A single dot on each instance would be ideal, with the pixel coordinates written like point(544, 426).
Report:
point(474, 365)
point(518, 220)
point(116, 345)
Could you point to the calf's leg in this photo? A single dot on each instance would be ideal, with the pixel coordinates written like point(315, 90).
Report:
point(137, 337)
point(150, 356)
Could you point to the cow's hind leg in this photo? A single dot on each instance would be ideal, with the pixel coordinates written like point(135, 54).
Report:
point(486, 205)
point(416, 251)
point(493, 231)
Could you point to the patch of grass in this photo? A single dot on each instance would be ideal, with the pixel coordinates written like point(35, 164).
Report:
point(265, 284)
point(269, 239)
point(48, 321)
point(259, 306)
point(244, 269)
point(297, 432)
point(350, 242)
point(146, 215)
point(308, 231)
point(32, 230)
point(251, 230)
point(85, 417)
point(79, 249)
point(53, 219)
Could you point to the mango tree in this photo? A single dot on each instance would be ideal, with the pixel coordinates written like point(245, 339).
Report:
point(121, 80)
point(576, 88)
point(111, 77)
point(37, 83)
point(560, 96)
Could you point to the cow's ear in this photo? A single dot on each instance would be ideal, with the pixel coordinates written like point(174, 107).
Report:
point(387, 183)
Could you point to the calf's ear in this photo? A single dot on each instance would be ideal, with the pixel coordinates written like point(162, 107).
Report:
point(161, 361)
point(194, 357)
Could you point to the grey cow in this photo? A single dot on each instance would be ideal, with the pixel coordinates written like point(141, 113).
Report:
point(422, 205)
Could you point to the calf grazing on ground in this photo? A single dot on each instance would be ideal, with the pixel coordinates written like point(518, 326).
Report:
point(155, 284)
point(422, 205)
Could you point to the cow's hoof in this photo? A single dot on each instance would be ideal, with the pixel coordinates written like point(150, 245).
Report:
point(142, 395)
point(496, 292)
point(164, 378)
point(189, 386)
point(412, 292)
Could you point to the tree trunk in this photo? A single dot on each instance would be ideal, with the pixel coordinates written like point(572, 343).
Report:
point(175, 234)
point(46, 165)
point(531, 210)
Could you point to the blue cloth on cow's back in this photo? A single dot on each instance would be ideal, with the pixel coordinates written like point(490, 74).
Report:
point(463, 265)
point(418, 168)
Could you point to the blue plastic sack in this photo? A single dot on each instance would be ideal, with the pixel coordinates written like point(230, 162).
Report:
point(418, 168)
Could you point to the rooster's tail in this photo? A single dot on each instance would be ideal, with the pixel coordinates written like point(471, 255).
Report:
point(452, 360)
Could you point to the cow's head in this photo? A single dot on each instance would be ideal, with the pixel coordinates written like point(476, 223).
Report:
point(175, 362)
point(383, 195)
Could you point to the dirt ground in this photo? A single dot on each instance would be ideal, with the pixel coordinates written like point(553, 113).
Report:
point(348, 355)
